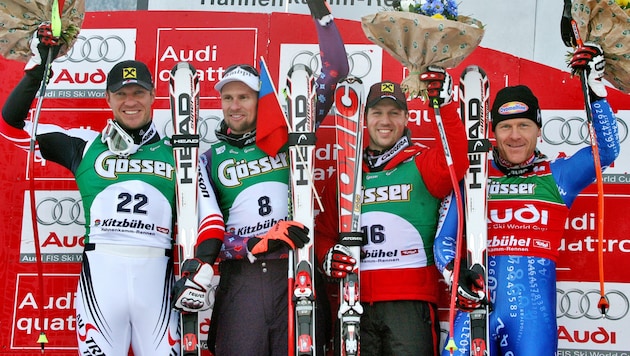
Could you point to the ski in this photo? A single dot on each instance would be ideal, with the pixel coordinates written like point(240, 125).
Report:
point(301, 107)
point(474, 97)
point(349, 144)
point(184, 96)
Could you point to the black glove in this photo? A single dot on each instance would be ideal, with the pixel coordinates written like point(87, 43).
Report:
point(338, 261)
point(590, 59)
point(470, 288)
point(191, 292)
point(439, 85)
point(285, 233)
point(41, 42)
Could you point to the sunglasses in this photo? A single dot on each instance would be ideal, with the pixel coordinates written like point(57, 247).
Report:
point(246, 67)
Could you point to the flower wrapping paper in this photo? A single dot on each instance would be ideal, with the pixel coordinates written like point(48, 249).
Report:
point(20, 18)
point(607, 24)
point(418, 41)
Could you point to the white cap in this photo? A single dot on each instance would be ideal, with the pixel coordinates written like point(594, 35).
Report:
point(240, 74)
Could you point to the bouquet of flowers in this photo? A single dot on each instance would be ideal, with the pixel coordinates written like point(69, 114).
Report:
point(624, 4)
point(607, 23)
point(420, 33)
point(19, 19)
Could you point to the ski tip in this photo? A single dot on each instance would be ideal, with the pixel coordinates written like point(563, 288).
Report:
point(473, 68)
point(300, 67)
point(183, 65)
point(350, 79)
point(450, 346)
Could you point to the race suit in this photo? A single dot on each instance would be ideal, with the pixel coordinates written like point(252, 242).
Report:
point(527, 212)
point(244, 192)
point(123, 295)
point(400, 211)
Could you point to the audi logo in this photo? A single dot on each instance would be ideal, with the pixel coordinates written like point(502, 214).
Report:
point(206, 127)
point(64, 211)
point(573, 130)
point(96, 48)
point(359, 62)
point(576, 303)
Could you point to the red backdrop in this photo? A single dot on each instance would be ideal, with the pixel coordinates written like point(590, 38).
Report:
point(212, 41)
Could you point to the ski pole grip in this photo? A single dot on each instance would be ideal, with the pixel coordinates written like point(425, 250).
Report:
point(355, 238)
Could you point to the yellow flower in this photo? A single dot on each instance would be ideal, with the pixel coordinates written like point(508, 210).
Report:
point(623, 3)
point(440, 17)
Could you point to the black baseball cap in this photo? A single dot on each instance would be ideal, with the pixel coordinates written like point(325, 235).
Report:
point(386, 90)
point(516, 102)
point(129, 72)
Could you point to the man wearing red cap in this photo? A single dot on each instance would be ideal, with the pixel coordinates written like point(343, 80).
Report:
point(125, 176)
point(403, 186)
point(529, 197)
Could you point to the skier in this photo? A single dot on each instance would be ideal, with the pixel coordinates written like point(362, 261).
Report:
point(123, 295)
point(403, 184)
point(523, 291)
point(245, 223)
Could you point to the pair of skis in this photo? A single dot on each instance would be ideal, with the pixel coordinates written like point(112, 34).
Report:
point(349, 124)
point(349, 144)
point(474, 90)
point(301, 109)
point(184, 96)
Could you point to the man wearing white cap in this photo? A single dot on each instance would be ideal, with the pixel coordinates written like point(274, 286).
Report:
point(244, 213)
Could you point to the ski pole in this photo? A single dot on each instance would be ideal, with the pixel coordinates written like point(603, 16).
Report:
point(56, 30)
point(603, 303)
point(571, 37)
point(450, 346)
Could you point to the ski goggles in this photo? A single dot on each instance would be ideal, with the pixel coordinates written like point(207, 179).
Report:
point(249, 69)
point(243, 73)
point(118, 140)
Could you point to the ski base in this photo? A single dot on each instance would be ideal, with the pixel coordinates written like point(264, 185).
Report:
point(184, 93)
point(300, 96)
point(474, 108)
point(349, 139)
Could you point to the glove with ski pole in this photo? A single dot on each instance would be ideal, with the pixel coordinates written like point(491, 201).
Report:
point(191, 293)
point(42, 42)
point(589, 58)
point(338, 261)
point(439, 85)
point(470, 287)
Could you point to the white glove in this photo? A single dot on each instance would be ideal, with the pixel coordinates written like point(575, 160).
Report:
point(41, 42)
point(439, 85)
point(191, 293)
point(590, 59)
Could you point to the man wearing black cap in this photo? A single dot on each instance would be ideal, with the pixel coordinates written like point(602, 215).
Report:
point(403, 186)
point(125, 178)
point(529, 197)
point(245, 211)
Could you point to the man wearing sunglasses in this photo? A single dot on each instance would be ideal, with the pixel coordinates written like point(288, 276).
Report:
point(125, 178)
point(244, 217)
